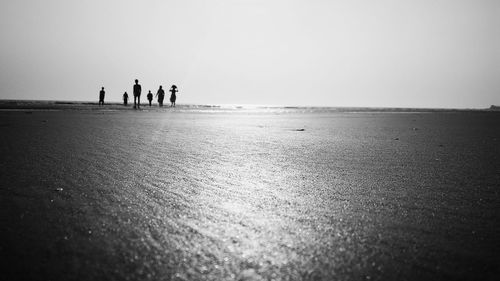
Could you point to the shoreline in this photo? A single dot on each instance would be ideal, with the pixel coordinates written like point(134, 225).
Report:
point(20, 105)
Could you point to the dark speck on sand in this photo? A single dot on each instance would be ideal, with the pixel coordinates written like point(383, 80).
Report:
point(208, 193)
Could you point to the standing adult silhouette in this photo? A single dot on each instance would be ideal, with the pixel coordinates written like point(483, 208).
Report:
point(173, 96)
point(150, 97)
point(101, 96)
point(161, 95)
point(125, 99)
point(137, 94)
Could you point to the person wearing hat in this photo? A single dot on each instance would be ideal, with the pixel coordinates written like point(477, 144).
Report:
point(101, 96)
point(173, 96)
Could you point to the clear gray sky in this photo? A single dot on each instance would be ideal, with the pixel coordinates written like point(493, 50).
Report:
point(391, 53)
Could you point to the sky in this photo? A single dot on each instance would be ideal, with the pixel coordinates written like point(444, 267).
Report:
point(386, 53)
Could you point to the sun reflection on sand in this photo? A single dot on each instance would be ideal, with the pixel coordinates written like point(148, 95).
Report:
point(246, 201)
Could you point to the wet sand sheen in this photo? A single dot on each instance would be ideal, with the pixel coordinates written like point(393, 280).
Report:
point(250, 196)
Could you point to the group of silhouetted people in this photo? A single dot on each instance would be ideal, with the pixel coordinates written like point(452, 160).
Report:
point(160, 94)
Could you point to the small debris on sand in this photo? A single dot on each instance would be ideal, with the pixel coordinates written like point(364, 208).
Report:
point(249, 275)
point(59, 189)
point(396, 138)
point(299, 130)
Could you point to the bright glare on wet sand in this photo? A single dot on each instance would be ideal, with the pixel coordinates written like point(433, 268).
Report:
point(249, 195)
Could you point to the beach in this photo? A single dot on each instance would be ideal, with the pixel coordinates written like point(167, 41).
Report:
point(211, 193)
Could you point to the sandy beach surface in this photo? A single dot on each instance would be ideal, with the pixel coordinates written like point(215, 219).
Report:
point(93, 193)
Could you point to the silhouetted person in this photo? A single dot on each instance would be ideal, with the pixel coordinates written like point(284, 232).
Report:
point(150, 97)
point(161, 95)
point(137, 94)
point(173, 97)
point(125, 99)
point(101, 96)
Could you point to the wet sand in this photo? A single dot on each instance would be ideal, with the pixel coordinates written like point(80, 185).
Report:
point(275, 194)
